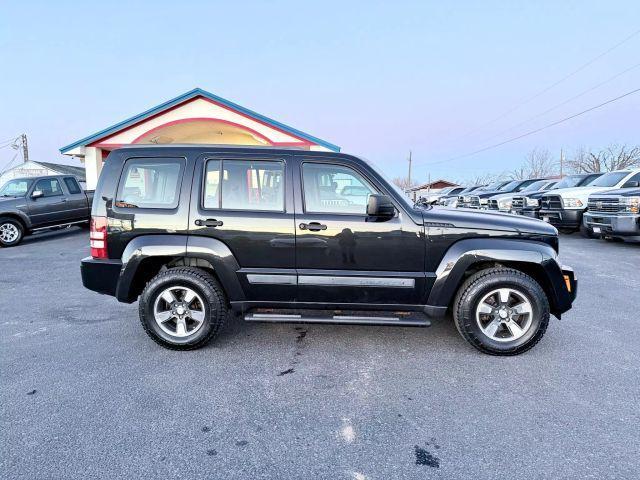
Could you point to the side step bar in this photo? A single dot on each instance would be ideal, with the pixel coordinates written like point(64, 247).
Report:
point(356, 319)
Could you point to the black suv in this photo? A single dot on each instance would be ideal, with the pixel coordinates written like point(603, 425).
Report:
point(284, 235)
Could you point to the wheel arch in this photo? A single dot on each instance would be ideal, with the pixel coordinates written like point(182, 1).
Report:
point(536, 259)
point(145, 256)
point(20, 217)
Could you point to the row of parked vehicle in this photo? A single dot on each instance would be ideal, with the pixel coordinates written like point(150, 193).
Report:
point(598, 204)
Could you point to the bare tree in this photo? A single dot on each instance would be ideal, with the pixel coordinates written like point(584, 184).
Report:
point(538, 163)
point(404, 183)
point(614, 157)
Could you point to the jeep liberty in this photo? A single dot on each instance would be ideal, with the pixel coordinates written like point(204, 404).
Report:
point(290, 235)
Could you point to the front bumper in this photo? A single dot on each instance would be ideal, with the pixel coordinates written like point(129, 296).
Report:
point(564, 218)
point(100, 275)
point(531, 212)
point(566, 292)
point(624, 225)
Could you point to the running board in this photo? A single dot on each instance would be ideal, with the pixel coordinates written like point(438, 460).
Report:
point(361, 318)
point(62, 225)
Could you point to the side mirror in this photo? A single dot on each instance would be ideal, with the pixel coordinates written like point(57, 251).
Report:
point(631, 184)
point(380, 206)
point(37, 194)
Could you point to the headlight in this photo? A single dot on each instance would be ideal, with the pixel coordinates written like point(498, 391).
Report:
point(466, 199)
point(532, 202)
point(484, 201)
point(632, 204)
point(452, 202)
point(572, 202)
point(504, 204)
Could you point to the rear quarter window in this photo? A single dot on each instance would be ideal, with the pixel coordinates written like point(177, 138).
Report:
point(150, 183)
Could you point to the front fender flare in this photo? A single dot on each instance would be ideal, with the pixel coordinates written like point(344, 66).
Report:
point(465, 253)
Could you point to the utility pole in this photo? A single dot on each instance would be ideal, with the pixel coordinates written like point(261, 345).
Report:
point(561, 162)
point(25, 148)
point(409, 177)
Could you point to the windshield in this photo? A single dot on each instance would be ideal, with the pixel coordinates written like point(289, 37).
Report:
point(510, 186)
point(493, 186)
point(610, 179)
point(535, 186)
point(446, 190)
point(15, 188)
point(570, 181)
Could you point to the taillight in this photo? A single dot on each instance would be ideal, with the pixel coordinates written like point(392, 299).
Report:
point(98, 237)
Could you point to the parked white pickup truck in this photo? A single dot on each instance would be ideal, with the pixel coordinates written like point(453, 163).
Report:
point(564, 208)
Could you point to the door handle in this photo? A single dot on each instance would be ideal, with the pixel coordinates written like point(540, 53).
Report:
point(209, 222)
point(312, 226)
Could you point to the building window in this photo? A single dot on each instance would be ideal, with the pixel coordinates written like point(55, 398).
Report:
point(334, 189)
point(244, 185)
point(150, 183)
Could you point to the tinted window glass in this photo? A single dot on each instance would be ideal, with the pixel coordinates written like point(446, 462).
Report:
point(151, 183)
point(244, 185)
point(610, 179)
point(634, 178)
point(72, 185)
point(50, 187)
point(535, 186)
point(334, 189)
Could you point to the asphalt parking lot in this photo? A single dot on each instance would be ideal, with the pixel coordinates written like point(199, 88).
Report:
point(86, 394)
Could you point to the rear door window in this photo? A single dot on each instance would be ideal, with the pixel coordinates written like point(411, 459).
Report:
point(150, 183)
point(244, 185)
point(72, 185)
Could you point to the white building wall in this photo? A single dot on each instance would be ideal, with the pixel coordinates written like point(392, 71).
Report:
point(28, 169)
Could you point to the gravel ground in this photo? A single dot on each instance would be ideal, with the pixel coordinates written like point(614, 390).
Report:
point(84, 393)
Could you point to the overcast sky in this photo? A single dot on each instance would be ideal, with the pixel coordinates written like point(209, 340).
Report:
point(375, 78)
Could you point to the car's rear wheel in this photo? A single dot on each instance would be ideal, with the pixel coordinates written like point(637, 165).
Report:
point(501, 311)
point(183, 308)
point(11, 232)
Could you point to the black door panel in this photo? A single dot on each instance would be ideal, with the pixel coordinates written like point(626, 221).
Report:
point(245, 202)
point(349, 257)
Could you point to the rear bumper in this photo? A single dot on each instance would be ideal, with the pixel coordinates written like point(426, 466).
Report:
point(100, 275)
point(562, 218)
point(621, 225)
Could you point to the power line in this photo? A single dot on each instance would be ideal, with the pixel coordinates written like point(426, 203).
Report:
point(561, 104)
point(553, 85)
point(513, 139)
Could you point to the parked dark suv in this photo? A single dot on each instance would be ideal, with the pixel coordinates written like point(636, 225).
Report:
point(276, 235)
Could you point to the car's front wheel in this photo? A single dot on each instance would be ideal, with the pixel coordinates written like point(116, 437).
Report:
point(183, 308)
point(11, 232)
point(501, 311)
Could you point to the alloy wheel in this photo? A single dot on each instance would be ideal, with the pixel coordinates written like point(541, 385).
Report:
point(179, 311)
point(504, 314)
point(9, 233)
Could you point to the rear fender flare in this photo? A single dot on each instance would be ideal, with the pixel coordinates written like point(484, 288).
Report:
point(141, 248)
point(465, 253)
point(213, 251)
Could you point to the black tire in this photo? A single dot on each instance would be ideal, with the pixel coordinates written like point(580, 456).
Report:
point(566, 230)
point(202, 283)
point(16, 225)
point(587, 232)
point(484, 282)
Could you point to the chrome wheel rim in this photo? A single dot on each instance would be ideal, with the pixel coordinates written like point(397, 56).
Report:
point(9, 233)
point(179, 311)
point(504, 314)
